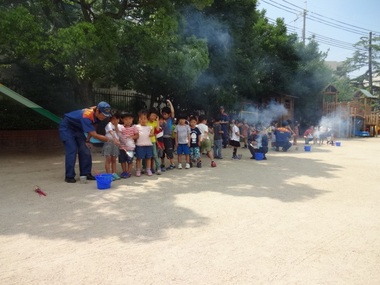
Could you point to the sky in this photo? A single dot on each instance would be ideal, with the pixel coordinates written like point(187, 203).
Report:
point(355, 18)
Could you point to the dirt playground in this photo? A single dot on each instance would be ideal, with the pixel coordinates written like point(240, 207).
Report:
point(297, 218)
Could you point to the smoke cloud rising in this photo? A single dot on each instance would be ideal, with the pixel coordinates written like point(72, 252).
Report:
point(337, 121)
point(209, 28)
point(258, 116)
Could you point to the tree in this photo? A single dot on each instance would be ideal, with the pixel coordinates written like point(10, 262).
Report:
point(249, 57)
point(359, 62)
point(89, 41)
point(311, 77)
point(197, 52)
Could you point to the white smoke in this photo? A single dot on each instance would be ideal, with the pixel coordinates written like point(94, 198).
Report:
point(208, 27)
point(337, 121)
point(257, 116)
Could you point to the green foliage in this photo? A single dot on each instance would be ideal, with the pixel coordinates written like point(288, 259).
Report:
point(345, 88)
point(10, 115)
point(22, 36)
point(360, 61)
point(312, 75)
point(197, 52)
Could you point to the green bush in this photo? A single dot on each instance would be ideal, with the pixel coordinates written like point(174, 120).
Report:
point(14, 116)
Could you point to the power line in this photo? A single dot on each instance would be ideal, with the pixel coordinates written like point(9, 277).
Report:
point(323, 39)
point(320, 15)
point(337, 42)
point(334, 24)
point(328, 23)
point(289, 11)
point(337, 26)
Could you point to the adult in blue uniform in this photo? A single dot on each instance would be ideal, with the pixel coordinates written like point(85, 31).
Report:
point(72, 131)
point(283, 136)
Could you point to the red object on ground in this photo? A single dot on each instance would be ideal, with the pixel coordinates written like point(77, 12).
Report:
point(39, 191)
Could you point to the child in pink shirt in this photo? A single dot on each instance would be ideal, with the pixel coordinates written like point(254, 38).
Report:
point(144, 147)
point(128, 134)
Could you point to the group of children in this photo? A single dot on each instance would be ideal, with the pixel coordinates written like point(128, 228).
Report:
point(157, 137)
point(318, 135)
point(151, 141)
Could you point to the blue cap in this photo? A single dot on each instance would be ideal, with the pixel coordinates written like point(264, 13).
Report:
point(104, 108)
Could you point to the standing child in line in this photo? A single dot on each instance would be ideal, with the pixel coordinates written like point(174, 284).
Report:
point(128, 134)
point(144, 147)
point(154, 123)
point(244, 132)
point(205, 140)
point(218, 139)
point(182, 141)
point(111, 148)
point(235, 139)
point(296, 133)
point(195, 142)
point(160, 141)
point(168, 115)
point(273, 128)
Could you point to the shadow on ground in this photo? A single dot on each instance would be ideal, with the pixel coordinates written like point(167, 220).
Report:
point(143, 209)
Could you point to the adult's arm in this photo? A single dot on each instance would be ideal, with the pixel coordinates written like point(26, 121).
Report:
point(94, 134)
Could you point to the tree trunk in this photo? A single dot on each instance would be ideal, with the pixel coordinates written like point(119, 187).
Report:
point(83, 90)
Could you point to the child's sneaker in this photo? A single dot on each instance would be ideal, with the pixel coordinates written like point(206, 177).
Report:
point(187, 166)
point(149, 172)
point(163, 169)
point(115, 176)
point(138, 173)
point(125, 175)
point(199, 164)
point(159, 172)
point(213, 164)
point(179, 165)
point(170, 167)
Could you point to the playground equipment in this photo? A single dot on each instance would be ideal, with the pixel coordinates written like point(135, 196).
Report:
point(356, 117)
point(26, 102)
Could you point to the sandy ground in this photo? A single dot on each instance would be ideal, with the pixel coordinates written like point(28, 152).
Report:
point(297, 218)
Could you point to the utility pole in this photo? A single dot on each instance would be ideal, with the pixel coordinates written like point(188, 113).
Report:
point(304, 24)
point(304, 27)
point(370, 62)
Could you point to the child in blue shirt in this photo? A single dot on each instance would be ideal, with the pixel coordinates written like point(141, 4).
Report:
point(168, 115)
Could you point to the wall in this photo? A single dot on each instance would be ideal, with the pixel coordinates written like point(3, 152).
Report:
point(28, 141)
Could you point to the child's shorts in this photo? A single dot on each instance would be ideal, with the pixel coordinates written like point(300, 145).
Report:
point(110, 149)
point(183, 149)
point(124, 157)
point(206, 146)
point(144, 152)
point(195, 153)
point(168, 142)
point(234, 143)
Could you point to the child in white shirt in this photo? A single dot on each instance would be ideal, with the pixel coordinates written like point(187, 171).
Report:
point(111, 148)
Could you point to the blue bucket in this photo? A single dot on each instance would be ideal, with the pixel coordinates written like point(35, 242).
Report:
point(307, 147)
point(259, 156)
point(337, 143)
point(103, 181)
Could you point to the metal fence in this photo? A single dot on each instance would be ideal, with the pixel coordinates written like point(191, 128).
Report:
point(125, 100)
